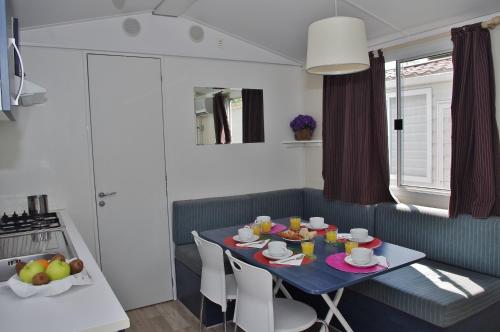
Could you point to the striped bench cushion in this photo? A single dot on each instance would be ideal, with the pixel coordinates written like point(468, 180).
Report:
point(438, 293)
point(278, 204)
point(209, 213)
point(344, 215)
point(466, 242)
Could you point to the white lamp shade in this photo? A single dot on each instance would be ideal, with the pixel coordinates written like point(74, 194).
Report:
point(337, 46)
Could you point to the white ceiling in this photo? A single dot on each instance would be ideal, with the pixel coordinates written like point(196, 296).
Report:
point(276, 25)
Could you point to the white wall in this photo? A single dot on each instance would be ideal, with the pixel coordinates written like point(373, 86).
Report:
point(313, 106)
point(48, 149)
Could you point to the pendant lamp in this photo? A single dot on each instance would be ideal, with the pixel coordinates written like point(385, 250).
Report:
point(337, 46)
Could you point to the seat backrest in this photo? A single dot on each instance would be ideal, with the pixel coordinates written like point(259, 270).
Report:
point(213, 277)
point(344, 215)
point(466, 242)
point(209, 213)
point(254, 299)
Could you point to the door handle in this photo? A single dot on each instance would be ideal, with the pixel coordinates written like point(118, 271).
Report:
point(101, 194)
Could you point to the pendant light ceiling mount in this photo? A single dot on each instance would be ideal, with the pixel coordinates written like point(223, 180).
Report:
point(337, 46)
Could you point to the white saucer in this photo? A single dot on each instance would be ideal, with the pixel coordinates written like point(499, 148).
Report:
point(369, 238)
point(324, 226)
point(373, 262)
point(266, 253)
point(253, 238)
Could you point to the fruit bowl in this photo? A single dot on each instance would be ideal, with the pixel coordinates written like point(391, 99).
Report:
point(55, 287)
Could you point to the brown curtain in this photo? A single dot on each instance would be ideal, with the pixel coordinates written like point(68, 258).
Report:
point(221, 125)
point(253, 115)
point(355, 151)
point(475, 157)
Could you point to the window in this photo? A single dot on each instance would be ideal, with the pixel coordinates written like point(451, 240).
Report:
point(420, 153)
point(236, 119)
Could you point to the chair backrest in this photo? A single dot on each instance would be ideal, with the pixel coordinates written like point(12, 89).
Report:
point(213, 277)
point(254, 297)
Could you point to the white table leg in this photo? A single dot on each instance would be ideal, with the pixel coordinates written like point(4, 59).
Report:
point(334, 310)
point(279, 286)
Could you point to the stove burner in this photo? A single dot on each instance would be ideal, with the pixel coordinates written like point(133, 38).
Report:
point(25, 223)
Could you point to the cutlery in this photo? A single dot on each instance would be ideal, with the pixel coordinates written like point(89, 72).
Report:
point(289, 259)
point(250, 243)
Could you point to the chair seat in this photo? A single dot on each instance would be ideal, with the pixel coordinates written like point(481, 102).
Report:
point(230, 287)
point(290, 315)
point(435, 292)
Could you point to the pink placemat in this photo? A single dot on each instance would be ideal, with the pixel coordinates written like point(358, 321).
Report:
point(337, 262)
point(278, 228)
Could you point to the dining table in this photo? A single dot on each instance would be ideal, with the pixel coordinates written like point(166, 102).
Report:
point(316, 277)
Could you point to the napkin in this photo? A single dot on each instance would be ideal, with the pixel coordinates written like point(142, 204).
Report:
point(295, 260)
point(382, 261)
point(344, 236)
point(256, 244)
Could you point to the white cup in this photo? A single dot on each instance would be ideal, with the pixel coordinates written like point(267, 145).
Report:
point(277, 248)
point(316, 222)
point(361, 255)
point(245, 233)
point(359, 234)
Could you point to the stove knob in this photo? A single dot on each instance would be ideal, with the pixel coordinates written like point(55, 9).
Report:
point(14, 215)
point(24, 214)
point(5, 216)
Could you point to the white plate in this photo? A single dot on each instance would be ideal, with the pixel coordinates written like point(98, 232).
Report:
point(373, 262)
point(253, 238)
point(266, 253)
point(289, 240)
point(347, 236)
point(369, 238)
point(308, 225)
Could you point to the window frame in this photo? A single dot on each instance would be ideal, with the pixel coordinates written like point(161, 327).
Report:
point(420, 195)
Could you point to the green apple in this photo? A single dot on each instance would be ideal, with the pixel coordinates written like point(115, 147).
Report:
point(58, 270)
point(29, 270)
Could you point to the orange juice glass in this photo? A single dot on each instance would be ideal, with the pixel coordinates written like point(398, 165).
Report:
point(256, 229)
point(295, 223)
point(349, 245)
point(331, 235)
point(307, 248)
point(266, 226)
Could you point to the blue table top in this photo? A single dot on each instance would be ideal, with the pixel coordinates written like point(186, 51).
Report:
point(317, 277)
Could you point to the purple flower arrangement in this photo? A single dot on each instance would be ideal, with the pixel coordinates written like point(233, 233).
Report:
point(303, 122)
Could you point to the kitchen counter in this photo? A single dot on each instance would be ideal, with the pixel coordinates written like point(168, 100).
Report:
point(83, 308)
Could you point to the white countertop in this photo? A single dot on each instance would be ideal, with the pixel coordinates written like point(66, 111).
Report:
point(83, 308)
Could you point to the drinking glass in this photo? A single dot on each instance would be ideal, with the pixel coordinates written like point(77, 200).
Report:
point(256, 229)
point(307, 248)
point(266, 226)
point(349, 245)
point(295, 223)
point(331, 236)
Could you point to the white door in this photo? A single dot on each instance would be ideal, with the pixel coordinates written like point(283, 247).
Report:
point(129, 166)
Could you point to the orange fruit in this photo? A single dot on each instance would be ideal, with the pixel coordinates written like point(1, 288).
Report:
point(43, 262)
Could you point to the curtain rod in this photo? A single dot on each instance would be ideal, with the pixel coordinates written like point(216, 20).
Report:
point(490, 24)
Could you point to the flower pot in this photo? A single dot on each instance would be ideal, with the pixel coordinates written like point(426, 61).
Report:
point(303, 134)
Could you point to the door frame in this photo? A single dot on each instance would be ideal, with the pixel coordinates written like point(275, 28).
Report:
point(93, 193)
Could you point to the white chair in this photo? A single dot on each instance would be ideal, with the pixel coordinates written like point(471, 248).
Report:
point(215, 284)
point(256, 308)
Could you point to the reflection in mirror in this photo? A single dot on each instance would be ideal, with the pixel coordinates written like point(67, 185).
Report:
point(228, 115)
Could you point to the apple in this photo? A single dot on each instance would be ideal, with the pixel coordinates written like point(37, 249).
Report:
point(58, 270)
point(29, 271)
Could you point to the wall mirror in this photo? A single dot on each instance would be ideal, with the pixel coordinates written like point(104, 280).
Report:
point(228, 115)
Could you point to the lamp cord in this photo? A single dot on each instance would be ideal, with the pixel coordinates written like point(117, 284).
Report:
point(336, 10)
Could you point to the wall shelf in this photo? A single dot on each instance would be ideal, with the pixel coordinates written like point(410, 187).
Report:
point(315, 142)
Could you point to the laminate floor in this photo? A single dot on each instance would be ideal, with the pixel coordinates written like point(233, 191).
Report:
point(173, 316)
